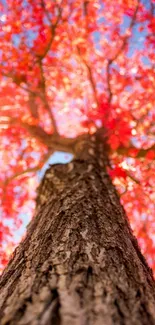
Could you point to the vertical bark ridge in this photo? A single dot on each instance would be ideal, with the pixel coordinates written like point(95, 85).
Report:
point(79, 263)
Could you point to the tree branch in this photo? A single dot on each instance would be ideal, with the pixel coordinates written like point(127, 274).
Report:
point(91, 80)
point(16, 175)
point(140, 154)
point(57, 142)
point(33, 106)
point(134, 179)
point(53, 142)
point(110, 94)
point(52, 27)
point(44, 99)
point(33, 94)
point(132, 23)
point(21, 173)
point(110, 61)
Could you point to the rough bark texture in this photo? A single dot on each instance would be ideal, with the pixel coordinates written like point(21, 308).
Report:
point(79, 263)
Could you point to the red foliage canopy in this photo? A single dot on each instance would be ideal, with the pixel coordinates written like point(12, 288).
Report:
point(67, 67)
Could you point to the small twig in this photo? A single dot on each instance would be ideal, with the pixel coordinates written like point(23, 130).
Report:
point(133, 178)
point(110, 94)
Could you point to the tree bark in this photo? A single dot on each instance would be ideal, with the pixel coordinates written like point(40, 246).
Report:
point(79, 263)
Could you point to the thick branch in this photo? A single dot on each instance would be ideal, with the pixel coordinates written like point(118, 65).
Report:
point(33, 106)
point(57, 142)
point(54, 141)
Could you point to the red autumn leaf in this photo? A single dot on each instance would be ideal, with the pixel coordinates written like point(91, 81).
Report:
point(114, 141)
point(118, 172)
point(150, 155)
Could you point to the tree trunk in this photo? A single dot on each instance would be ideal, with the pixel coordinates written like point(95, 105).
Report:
point(79, 263)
